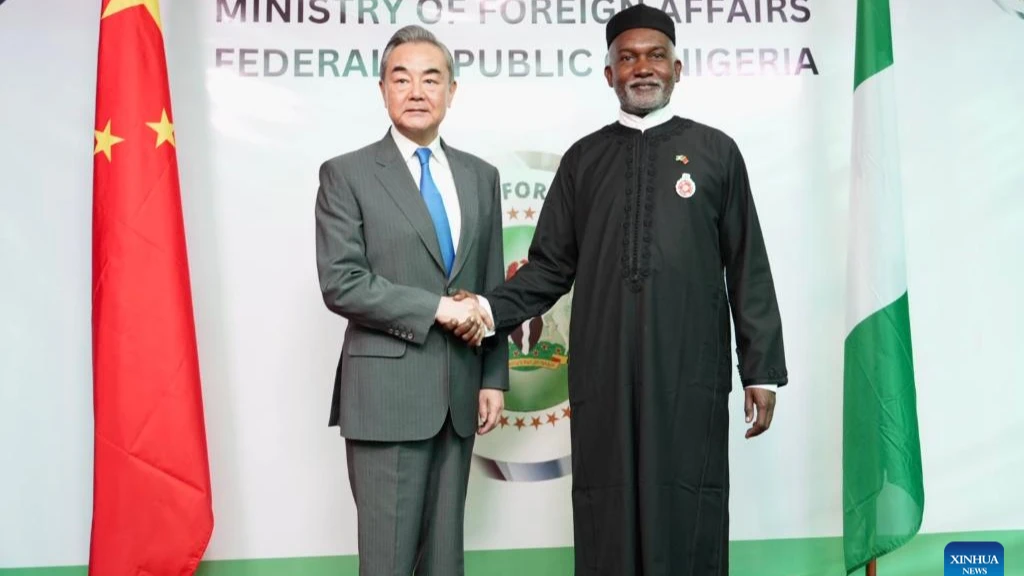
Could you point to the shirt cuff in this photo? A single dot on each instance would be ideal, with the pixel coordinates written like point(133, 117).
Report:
point(487, 308)
point(772, 387)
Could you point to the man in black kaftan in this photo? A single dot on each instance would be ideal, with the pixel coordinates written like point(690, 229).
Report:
point(653, 219)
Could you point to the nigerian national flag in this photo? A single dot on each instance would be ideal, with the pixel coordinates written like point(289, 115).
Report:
point(883, 491)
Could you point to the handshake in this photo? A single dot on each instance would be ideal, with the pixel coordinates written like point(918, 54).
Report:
point(465, 317)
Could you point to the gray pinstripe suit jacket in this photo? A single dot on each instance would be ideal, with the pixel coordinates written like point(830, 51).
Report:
point(380, 266)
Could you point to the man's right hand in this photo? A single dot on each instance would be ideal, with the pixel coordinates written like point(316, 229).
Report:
point(470, 332)
point(465, 317)
point(466, 330)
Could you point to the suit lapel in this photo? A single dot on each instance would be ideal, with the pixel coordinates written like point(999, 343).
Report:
point(466, 187)
point(395, 177)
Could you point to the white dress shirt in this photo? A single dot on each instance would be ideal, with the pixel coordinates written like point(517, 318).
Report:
point(655, 118)
point(658, 117)
point(440, 171)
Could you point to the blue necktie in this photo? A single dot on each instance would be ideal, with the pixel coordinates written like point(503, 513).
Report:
point(432, 196)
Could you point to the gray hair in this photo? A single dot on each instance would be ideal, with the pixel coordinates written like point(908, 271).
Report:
point(414, 33)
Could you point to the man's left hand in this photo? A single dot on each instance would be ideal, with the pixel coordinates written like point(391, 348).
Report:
point(764, 401)
point(492, 402)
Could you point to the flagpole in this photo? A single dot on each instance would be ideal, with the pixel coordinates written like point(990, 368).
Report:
point(871, 568)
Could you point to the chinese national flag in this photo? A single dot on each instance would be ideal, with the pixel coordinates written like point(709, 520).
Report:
point(152, 510)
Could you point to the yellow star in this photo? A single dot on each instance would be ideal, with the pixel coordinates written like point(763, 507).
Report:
point(151, 6)
point(105, 141)
point(164, 130)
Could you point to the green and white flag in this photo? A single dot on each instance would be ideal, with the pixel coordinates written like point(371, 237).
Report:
point(883, 489)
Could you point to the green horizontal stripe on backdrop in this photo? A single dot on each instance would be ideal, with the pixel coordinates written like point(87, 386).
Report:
point(790, 557)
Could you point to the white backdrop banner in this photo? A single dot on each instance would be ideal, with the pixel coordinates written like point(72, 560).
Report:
point(265, 90)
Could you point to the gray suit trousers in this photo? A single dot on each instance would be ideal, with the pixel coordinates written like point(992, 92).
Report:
point(430, 478)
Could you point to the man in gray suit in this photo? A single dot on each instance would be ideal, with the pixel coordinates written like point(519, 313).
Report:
point(401, 225)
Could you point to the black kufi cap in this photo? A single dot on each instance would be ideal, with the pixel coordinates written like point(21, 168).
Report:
point(640, 16)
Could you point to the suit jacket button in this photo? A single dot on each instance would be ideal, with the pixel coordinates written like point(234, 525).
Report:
point(451, 291)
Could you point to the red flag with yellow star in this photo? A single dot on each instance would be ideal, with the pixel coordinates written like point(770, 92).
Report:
point(152, 511)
